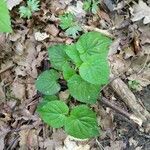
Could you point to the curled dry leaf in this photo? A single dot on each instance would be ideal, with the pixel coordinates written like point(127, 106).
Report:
point(116, 145)
point(40, 36)
point(18, 90)
point(2, 94)
point(141, 11)
point(52, 29)
point(13, 3)
point(77, 10)
point(71, 144)
point(28, 139)
point(64, 95)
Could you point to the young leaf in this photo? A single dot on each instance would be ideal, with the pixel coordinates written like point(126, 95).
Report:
point(95, 7)
point(68, 72)
point(57, 56)
point(73, 31)
point(53, 113)
point(82, 90)
point(67, 20)
point(5, 24)
point(47, 84)
point(25, 12)
point(74, 55)
point(32, 6)
point(82, 123)
point(92, 43)
point(95, 70)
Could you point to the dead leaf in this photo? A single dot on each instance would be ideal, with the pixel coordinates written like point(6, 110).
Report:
point(18, 89)
point(2, 94)
point(64, 95)
point(52, 29)
point(40, 36)
point(13, 3)
point(23, 139)
point(116, 145)
point(133, 142)
point(77, 10)
point(141, 11)
point(70, 144)
point(3, 133)
point(55, 142)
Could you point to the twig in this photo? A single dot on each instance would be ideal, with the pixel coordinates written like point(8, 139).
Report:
point(144, 64)
point(129, 99)
point(7, 68)
point(132, 117)
point(91, 28)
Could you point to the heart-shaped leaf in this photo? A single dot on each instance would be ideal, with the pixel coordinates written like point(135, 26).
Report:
point(72, 52)
point(53, 113)
point(95, 70)
point(92, 43)
point(82, 90)
point(82, 123)
point(47, 84)
point(68, 72)
point(57, 56)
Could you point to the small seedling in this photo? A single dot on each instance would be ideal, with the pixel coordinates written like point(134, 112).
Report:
point(85, 68)
point(5, 24)
point(134, 85)
point(91, 6)
point(69, 23)
point(32, 6)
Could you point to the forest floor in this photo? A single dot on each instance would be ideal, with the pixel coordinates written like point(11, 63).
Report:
point(23, 56)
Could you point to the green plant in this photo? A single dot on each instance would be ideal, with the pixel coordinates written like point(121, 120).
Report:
point(134, 84)
point(85, 68)
point(5, 24)
point(91, 6)
point(69, 23)
point(32, 6)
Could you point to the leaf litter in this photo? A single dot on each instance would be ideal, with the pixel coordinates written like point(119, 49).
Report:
point(25, 51)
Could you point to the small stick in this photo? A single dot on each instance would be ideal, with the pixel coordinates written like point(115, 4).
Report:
point(91, 28)
point(7, 68)
point(121, 111)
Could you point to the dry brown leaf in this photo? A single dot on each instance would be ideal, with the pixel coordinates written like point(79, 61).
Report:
point(32, 139)
point(116, 145)
point(70, 144)
point(141, 11)
point(52, 29)
point(13, 3)
point(18, 90)
point(2, 94)
point(23, 138)
point(64, 95)
point(40, 36)
point(3, 133)
point(55, 142)
point(118, 64)
point(77, 10)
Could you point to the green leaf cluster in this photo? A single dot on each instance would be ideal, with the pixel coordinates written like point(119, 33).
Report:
point(70, 25)
point(85, 67)
point(80, 123)
point(91, 6)
point(5, 24)
point(32, 6)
